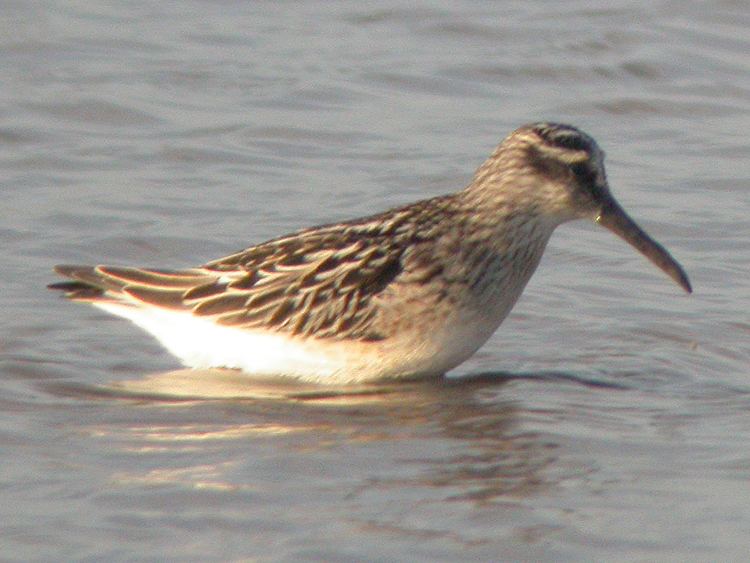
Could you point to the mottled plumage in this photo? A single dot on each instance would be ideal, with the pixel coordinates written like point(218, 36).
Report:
point(410, 292)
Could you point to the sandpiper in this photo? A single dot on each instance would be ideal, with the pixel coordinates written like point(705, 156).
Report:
point(411, 292)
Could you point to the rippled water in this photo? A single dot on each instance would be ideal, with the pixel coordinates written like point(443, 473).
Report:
point(609, 417)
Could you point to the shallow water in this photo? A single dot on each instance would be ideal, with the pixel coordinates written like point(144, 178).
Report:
point(609, 417)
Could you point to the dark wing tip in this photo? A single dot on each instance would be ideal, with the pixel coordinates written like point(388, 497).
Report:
point(84, 284)
point(77, 290)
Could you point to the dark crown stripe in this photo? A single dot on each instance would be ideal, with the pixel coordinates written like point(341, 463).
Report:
point(563, 136)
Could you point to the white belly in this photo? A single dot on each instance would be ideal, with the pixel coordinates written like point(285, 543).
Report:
point(200, 343)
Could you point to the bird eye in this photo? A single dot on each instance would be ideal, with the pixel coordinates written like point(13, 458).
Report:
point(583, 173)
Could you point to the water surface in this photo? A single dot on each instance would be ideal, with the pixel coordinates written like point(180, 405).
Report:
point(609, 417)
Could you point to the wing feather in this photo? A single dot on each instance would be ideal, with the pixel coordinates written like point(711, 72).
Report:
point(161, 297)
point(221, 304)
point(324, 282)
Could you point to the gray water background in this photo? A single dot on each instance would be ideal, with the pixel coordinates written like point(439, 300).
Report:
point(613, 419)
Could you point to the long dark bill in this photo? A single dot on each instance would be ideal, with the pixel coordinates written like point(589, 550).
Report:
point(616, 220)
